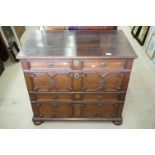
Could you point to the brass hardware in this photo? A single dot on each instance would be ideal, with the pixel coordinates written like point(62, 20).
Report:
point(76, 62)
point(82, 105)
point(41, 115)
point(118, 88)
point(103, 64)
point(50, 65)
point(77, 106)
point(101, 81)
point(99, 97)
point(77, 96)
point(33, 75)
point(77, 75)
point(93, 66)
point(52, 82)
point(36, 88)
point(115, 105)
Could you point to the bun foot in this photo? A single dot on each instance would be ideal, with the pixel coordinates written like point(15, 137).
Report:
point(37, 122)
point(118, 122)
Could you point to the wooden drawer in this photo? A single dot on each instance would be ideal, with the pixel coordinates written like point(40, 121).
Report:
point(46, 64)
point(97, 97)
point(113, 64)
point(84, 82)
point(52, 110)
point(103, 96)
point(76, 96)
point(101, 110)
point(77, 110)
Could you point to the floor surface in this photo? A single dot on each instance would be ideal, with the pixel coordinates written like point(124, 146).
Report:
point(139, 109)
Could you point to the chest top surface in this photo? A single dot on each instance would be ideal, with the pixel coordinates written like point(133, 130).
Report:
point(77, 44)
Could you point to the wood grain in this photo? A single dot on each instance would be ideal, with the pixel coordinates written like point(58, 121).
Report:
point(70, 77)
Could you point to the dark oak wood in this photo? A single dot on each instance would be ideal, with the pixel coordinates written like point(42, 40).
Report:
point(104, 109)
point(77, 75)
point(77, 44)
point(112, 119)
point(77, 96)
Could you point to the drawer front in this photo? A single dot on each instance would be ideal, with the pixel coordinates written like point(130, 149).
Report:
point(77, 110)
point(97, 96)
point(52, 110)
point(103, 81)
point(77, 96)
point(84, 82)
point(104, 96)
point(51, 82)
point(113, 64)
point(101, 110)
point(49, 64)
point(77, 64)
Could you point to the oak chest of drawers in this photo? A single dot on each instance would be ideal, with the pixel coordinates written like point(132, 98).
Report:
point(77, 75)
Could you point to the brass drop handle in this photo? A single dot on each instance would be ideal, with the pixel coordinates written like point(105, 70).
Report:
point(101, 81)
point(77, 96)
point(76, 106)
point(76, 75)
point(99, 97)
point(103, 64)
point(50, 65)
point(41, 115)
point(76, 62)
point(52, 82)
point(118, 88)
